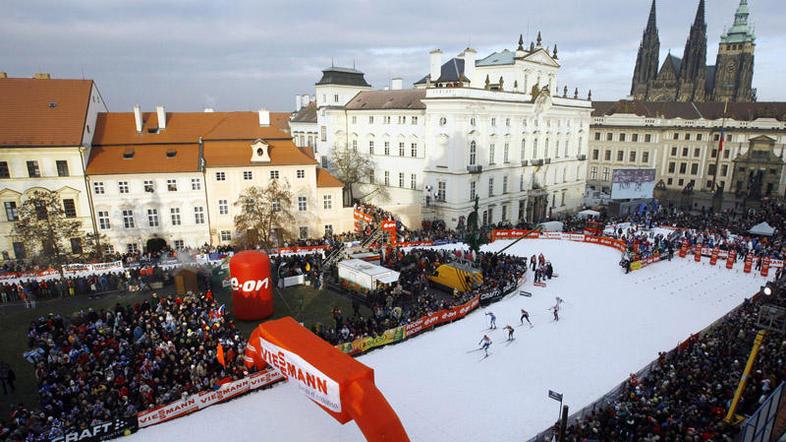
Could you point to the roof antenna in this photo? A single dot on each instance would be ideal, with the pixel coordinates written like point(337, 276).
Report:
point(331, 63)
point(353, 63)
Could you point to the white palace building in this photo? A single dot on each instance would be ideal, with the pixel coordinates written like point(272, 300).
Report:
point(497, 127)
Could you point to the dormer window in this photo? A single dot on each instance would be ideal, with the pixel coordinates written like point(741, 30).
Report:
point(260, 152)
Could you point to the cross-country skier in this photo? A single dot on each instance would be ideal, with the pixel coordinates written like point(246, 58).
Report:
point(492, 320)
point(509, 329)
point(485, 343)
point(555, 310)
point(525, 315)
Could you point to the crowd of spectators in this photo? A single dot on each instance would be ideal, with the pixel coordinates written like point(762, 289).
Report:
point(412, 297)
point(99, 365)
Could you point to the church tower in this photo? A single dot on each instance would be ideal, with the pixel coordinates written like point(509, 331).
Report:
point(734, 65)
point(647, 60)
point(694, 60)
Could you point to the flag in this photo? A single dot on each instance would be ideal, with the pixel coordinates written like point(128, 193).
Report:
point(220, 355)
point(720, 143)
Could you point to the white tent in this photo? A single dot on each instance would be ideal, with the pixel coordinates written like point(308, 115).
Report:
point(552, 226)
point(588, 213)
point(763, 229)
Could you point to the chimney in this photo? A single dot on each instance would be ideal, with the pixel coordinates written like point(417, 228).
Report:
point(209, 109)
point(138, 119)
point(298, 103)
point(161, 113)
point(469, 63)
point(396, 84)
point(264, 117)
point(41, 76)
point(436, 65)
point(3, 75)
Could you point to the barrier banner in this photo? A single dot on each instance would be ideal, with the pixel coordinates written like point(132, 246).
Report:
point(389, 227)
point(168, 412)
point(206, 398)
point(730, 260)
point(683, 249)
point(765, 266)
point(697, 254)
point(316, 385)
point(98, 432)
point(362, 345)
point(714, 257)
point(748, 266)
point(514, 233)
point(440, 317)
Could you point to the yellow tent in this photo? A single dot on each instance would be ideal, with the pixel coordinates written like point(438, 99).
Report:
point(457, 276)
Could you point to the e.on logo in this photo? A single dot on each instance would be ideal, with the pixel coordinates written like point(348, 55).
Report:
point(250, 285)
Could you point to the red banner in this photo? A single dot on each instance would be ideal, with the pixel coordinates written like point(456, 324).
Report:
point(714, 257)
point(748, 266)
point(765, 266)
point(697, 255)
point(730, 260)
point(440, 317)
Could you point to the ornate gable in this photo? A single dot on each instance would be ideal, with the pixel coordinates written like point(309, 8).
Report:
point(541, 56)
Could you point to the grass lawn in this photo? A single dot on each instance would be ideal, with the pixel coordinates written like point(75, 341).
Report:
point(305, 304)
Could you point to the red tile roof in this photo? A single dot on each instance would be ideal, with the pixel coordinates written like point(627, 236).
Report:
point(238, 153)
point(325, 179)
point(47, 112)
point(148, 158)
point(117, 128)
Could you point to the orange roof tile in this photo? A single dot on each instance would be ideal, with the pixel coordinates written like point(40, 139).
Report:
point(117, 128)
point(47, 112)
point(325, 179)
point(149, 158)
point(238, 153)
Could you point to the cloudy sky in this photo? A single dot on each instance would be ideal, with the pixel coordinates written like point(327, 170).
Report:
point(245, 54)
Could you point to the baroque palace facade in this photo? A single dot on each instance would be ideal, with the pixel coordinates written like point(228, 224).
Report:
point(498, 128)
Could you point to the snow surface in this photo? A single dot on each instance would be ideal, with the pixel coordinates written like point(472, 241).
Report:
point(611, 325)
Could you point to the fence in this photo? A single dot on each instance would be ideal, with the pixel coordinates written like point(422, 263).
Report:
point(758, 427)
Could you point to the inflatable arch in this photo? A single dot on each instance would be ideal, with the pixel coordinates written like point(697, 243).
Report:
point(339, 384)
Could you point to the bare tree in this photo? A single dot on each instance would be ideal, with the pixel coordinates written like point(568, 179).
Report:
point(48, 234)
point(354, 169)
point(264, 211)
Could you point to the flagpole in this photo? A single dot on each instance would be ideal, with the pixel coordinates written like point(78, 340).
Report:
point(720, 146)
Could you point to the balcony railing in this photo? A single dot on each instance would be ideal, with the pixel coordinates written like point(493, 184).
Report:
point(537, 162)
point(524, 162)
point(548, 160)
point(475, 168)
point(582, 157)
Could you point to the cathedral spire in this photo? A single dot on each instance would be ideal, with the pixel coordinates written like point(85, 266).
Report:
point(652, 25)
point(694, 60)
point(539, 40)
point(647, 61)
point(521, 43)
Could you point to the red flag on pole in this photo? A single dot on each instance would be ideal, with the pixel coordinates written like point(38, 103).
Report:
point(220, 355)
point(720, 142)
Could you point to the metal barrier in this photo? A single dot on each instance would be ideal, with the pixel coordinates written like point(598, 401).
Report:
point(758, 427)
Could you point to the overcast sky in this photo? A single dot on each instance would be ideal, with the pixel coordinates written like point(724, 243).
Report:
point(246, 54)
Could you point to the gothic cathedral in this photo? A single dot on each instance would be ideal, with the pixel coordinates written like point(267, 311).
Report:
point(689, 78)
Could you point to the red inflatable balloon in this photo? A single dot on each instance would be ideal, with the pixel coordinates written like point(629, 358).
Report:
point(252, 287)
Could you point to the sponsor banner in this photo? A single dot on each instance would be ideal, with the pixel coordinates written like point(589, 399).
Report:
point(75, 269)
point(316, 385)
point(440, 317)
point(413, 244)
point(580, 237)
point(101, 431)
point(514, 233)
point(207, 398)
point(362, 345)
point(298, 249)
point(168, 412)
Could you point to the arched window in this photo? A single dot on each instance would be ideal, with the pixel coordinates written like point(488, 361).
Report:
point(535, 149)
point(523, 149)
point(473, 150)
point(565, 175)
point(443, 121)
point(546, 149)
point(472, 121)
